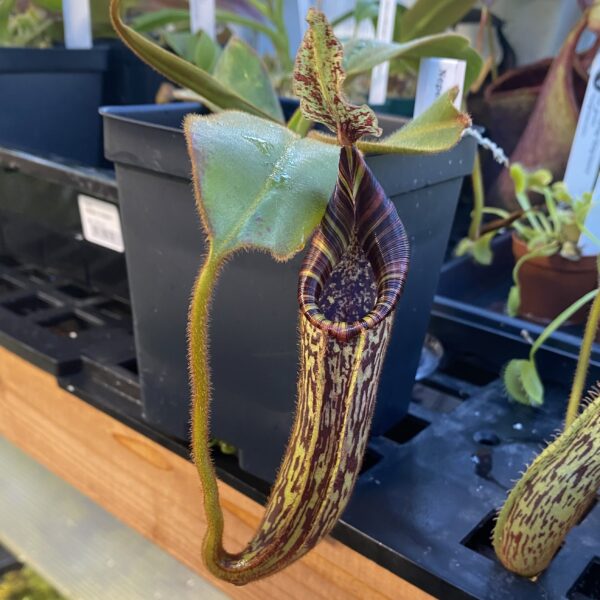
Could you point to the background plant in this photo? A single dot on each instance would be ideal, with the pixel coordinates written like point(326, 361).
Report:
point(27, 26)
point(552, 227)
point(38, 23)
point(267, 18)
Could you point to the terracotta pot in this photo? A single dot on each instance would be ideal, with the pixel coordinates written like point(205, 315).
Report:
point(550, 284)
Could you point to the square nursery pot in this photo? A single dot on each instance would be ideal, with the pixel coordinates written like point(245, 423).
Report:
point(469, 317)
point(254, 366)
point(50, 97)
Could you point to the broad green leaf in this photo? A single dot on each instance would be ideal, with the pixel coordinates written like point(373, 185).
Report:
point(158, 19)
point(318, 81)
point(261, 185)
point(523, 383)
point(438, 129)
point(425, 17)
point(216, 96)
point(240, 68)
point(363, 55)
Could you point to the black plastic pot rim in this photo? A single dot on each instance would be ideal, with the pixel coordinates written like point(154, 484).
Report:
point(120, 113)
point(53, 60)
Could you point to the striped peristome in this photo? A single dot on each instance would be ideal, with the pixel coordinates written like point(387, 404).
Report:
point(349, 284)
point(361, 217)
point(551, 497)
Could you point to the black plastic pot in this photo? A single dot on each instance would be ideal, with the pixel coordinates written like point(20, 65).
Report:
point(50, 97)
point(469, 318)
point(254, 366)
point(49, 101)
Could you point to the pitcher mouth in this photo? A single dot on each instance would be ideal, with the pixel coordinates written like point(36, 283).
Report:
point(358, 216)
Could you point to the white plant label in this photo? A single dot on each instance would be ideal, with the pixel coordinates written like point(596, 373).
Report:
point(583, 166)
point(77, 21)
point(101, 223)
point(385, 32)
point(437, 76)
point(203, 17)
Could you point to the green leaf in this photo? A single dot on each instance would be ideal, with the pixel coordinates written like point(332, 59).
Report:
point(514, 301)
point(523, 383)
point(180, 42)
point(463, 247)
point(438, 129)
point(532, 383)
point(482, 249)
point(159, 19)
point(50, 5)
point(206, 52)
point(539, 178)
point(240, 68)
point(426, 17)
point(6, 7)
point(261, 185)
point(197, 48)
point(366, 9)
point(216, 96)
point(318, 81)
point(363, 55)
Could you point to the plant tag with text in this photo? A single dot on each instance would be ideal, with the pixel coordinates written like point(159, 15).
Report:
point(437, 76)
point(581, 175)
point(101, 223)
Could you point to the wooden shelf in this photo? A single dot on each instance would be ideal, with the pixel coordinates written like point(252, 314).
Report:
point(157, 492)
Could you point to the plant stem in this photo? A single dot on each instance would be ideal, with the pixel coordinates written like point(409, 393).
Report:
point(478, 200)
point(564, 316)
point(201, 389)
point(541, 251)
point(583, 362)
